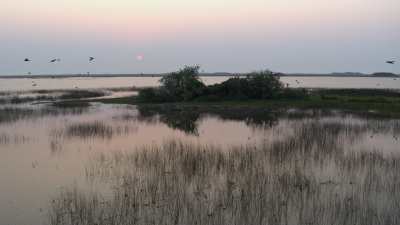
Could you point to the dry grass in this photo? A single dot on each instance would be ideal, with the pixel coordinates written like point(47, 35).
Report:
point(93, 129)
point(13, 114)
point(307, 178)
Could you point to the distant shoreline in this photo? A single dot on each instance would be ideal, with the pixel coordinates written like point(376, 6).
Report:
point(45, 76)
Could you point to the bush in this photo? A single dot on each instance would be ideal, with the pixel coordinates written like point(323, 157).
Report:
point(264, 85)
point(155, 95)
point(256, 85)
point(184, 85)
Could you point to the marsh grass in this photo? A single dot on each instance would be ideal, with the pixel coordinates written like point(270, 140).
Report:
point(13, 114)
point(123, 89)
point(93, 129)
point(384, 103)
point(70, 104)
point(85, 130)
point(48, 95)
point(359, 92)
point(79, 94)
point(309, 177)
point(6, 139)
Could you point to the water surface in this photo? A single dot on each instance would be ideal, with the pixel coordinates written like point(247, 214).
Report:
point(47, 151)
point(112, 82)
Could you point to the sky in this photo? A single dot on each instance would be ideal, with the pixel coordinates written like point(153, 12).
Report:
point(156, 36)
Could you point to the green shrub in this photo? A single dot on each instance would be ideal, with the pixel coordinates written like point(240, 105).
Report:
point(256, 85)
point(155, 95)
point(294, 93)
point(263, 85)
point(183, 85)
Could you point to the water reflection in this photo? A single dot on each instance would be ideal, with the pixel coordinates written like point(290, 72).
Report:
point(187, 119)
point(115, 82)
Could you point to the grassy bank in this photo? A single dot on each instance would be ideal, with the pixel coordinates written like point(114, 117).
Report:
point(382, 102)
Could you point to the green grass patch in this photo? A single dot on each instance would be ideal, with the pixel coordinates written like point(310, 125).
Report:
point(383, 102)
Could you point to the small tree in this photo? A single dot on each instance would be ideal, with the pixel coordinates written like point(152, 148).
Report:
point(183, 85)
point(256, 85)
point(263, 85)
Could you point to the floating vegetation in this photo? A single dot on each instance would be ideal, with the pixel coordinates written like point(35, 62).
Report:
point(45, 95)
point(124, 89)
point(71, 104)
point(78, 94)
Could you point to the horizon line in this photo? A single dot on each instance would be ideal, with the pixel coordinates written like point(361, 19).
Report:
point(228, 74)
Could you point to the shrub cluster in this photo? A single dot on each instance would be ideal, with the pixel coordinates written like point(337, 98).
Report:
point(185, 85)
point(257, 85)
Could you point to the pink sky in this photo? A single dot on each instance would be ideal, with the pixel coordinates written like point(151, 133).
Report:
point(210, 29)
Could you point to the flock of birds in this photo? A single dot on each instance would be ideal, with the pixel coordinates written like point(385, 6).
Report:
point(91, 59)
point(34, 84)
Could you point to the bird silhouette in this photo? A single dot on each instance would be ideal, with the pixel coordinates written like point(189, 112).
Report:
point(390, 62)
point(27, 60)
point(91, 59)
point(55, 60)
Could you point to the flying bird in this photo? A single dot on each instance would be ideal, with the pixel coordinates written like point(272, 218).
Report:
point(27, 60)
point(55, 60)
point(390, 62)
point(91, 59)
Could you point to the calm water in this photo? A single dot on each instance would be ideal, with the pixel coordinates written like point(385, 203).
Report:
point(46, 151)
point(87, 82)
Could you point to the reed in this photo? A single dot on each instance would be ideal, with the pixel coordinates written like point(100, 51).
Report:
point(308, 177)
point(92, 129)
point(10, 114)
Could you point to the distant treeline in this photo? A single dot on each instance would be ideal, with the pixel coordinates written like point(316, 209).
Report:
point(218, 74)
